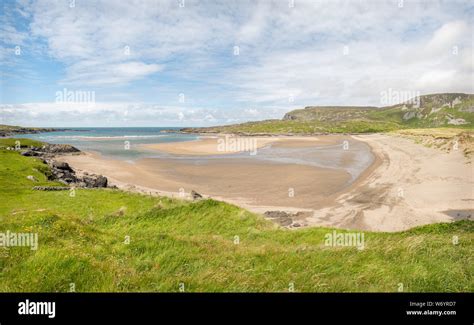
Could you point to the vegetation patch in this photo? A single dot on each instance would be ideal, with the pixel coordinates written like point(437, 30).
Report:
point(109, 240)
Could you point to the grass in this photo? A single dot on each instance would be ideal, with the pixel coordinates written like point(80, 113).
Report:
point(23, 143)
point(83, 240)
point(445, 139)
point(304, 127)
point(376, 125)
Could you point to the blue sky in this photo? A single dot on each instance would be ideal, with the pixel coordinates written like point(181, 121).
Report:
point(140, 59)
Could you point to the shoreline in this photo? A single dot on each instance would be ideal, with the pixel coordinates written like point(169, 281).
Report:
point(365, 204)
point(206, 144)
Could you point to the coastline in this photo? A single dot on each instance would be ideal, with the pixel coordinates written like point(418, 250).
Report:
point(371, 202)
point(245, 182)
point(12, 131)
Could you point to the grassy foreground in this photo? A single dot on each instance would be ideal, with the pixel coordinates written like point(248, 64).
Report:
point(83, 240)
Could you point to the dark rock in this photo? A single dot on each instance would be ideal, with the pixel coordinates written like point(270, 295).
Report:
point(61, 171)
point(95, 181)
point(59, 148)
point(195, 195)
point(61, 165)
point(101, 181)
point(30, 153)
point(296, 225)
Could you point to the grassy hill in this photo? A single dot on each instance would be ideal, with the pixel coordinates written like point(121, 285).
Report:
point(8, 130)
point(82, 240)
point(430, 111)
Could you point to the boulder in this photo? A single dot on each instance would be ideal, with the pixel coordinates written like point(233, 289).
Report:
point(61, 165)
point(95, 181)
point(32, 178)
point(101, 181)
point(195, 195)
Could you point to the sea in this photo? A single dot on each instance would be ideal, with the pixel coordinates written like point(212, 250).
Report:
point(114, 142)
point(125, 144)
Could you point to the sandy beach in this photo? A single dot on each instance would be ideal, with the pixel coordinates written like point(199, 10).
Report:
point(413, 185)
point(406, 185)
point(216, 145)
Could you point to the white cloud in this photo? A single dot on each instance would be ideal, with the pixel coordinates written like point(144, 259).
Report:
point(285, 52)
point(449, 35)
point(126, 114)
point(98, 73)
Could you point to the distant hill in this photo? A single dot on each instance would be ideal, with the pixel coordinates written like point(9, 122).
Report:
point(9, 130)
point(427, 111)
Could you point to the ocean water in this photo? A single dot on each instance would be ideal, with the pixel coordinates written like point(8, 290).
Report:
point(124, 143)
point(120, 143)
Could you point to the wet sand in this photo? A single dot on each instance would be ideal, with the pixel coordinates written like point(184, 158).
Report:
point(215, 145)
point(247, 181)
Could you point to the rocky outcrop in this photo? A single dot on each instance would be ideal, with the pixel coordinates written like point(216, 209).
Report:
point(29, 153)
point(49, 150)
point(92, 180)
point(59, 148)
point(61, 171)
point(9, 130)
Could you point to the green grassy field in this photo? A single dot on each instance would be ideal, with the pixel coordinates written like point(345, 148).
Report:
point(83, 239)
point(301, 127)
point(319, 127)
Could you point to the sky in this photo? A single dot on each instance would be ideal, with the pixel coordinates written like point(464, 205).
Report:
point(199, 63)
